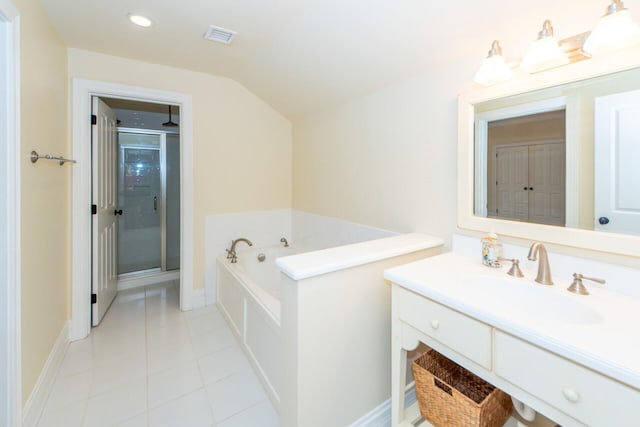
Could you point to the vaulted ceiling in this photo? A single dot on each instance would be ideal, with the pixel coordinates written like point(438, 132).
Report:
point(305, 55)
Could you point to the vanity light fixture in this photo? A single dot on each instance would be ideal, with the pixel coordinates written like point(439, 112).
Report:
point(494, 69)
point(615, 30)
point(140, 20)
point(544, 53)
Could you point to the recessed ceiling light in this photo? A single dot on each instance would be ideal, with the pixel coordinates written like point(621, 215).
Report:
point(140, 20)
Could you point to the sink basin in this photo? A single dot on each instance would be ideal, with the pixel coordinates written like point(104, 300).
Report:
point(531, 299)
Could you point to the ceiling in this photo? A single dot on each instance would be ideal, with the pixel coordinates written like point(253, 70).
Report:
point(301, 56)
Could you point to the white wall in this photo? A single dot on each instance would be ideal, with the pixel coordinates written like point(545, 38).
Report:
point(318, 232)
point(386, 159)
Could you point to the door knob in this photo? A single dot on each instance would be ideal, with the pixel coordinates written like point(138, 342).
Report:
point(603, 220)
point(117, 212)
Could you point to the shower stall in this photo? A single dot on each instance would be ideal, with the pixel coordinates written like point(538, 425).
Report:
point(149, 201)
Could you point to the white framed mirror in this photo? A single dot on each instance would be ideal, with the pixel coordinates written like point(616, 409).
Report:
point(565, 96)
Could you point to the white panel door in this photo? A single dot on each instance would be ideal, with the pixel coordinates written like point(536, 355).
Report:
point(105, 197)
point(617, 163)
point(512, 200)
point(547, 184)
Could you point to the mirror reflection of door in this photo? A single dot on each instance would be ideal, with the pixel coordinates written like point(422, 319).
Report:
point(617, 163)
point(526, 168)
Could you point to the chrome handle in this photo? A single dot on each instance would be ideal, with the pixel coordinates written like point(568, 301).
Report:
point(593, 279)
point(515, 267)
point(155, 203)
point(578, 288)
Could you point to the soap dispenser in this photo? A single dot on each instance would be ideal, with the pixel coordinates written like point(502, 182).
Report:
point(491, 250)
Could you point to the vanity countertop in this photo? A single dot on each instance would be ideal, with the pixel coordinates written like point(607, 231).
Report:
point(608, 341)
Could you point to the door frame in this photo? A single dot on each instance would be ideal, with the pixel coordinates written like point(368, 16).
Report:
point(82, 90)
point(10, 225)
point(163, 184)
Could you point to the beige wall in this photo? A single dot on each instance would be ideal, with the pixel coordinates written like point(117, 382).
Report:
point(45, 191)
point(242, 146)
point(386, 159)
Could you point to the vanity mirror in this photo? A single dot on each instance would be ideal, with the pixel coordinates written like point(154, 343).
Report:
point(555, 156)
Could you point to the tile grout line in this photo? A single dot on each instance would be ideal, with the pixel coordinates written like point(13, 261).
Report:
point(146, 353)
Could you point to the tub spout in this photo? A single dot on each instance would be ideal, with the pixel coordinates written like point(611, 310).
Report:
point(232, 251)
point(284, 240)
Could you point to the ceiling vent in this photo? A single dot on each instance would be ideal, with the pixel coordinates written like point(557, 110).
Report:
point(220, 35)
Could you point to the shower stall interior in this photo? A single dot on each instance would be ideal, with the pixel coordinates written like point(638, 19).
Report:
point(149, 197)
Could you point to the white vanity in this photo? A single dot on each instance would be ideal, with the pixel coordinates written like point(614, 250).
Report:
point(575, 359)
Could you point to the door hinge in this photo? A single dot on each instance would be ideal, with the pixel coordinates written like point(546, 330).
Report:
point(94, 298)
point(94, 209)
point(94, 119)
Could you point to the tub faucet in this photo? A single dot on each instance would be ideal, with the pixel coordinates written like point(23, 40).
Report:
point(232, 252)
point(286, 244)
point(544, 271)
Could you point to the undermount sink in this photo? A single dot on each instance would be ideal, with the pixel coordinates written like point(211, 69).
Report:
point(531, 299)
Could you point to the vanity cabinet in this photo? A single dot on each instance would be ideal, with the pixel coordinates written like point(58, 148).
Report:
point(450, 328)
point(567, 392)
point(584, 394)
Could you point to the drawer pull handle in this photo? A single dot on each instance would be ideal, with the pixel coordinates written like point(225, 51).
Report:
point(571, 394)
point(435, 324)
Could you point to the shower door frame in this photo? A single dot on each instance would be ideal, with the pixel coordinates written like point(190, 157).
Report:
point(82, 90)
point(163, 190)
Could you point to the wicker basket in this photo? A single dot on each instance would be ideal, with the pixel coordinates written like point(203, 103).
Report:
point(451, 396)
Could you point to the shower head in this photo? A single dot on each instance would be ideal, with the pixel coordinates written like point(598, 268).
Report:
point(170, 123)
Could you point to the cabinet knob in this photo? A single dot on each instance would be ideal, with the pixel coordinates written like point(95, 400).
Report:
point(571, 394)
point(435, 324)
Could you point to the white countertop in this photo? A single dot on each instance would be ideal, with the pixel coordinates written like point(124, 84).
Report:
point(309, 264)
point(610, 343)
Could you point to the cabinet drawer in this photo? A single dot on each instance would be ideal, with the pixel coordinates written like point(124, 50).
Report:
point(587, 396)
point(463, 334)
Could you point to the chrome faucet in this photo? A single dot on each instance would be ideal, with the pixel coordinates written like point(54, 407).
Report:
point(284, 240)
point(544, 271)
point(231, 253)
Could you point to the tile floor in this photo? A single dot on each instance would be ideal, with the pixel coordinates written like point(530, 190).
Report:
point(148, 364)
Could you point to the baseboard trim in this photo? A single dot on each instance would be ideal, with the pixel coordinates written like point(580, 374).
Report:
point(147, 279)
point(35, 404)
point(381, 415)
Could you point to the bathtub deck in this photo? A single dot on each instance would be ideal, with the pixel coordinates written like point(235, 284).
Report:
point(148, 364)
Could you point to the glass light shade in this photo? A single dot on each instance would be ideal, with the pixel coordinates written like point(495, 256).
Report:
point(543, 54)
point(493, 70)
point(613, 32)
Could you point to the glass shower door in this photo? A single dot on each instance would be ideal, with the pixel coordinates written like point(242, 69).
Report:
point(140, 198)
